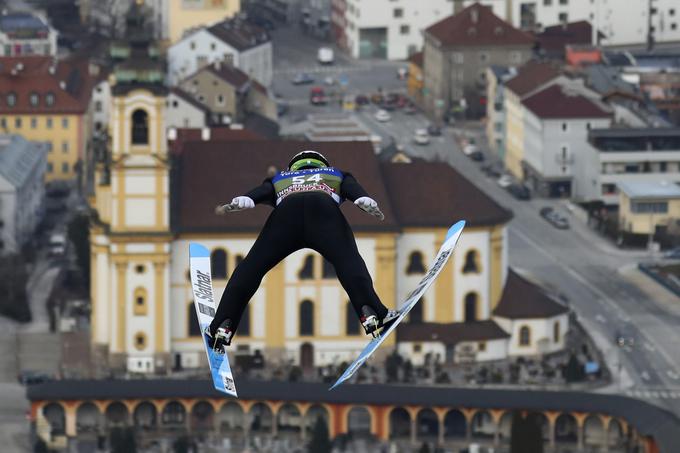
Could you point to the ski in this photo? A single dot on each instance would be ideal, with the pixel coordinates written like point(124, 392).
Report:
point(204, 303)
point(445, 252)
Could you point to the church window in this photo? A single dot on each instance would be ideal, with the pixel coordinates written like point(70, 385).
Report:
point(140, 341)
point(307, 271)
point(415, 264)
point(524, 336)
point(471, 262)
point(351, 320)
point(556, 332)
point(140, 268)
point(470, 307)
point(140, 127)
point(306, 318)
point(140, 306)
point(193, 328)
point(218, 263)
point(328, 269)
point(238, 259)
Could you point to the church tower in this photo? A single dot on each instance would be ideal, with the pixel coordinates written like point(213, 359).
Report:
point(130, 239)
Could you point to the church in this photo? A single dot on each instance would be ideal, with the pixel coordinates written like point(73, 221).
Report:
point(153, 195)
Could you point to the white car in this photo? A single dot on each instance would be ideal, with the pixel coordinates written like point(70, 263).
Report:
point(469, 149)
point(382, 116)
point(505, 181)
point(421, 137)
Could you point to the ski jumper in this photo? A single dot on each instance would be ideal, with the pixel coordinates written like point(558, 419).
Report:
point(306, 215)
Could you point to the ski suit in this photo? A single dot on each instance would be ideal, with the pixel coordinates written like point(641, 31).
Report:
point(306, 215)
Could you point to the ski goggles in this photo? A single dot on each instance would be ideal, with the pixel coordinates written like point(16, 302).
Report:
point(314, 163)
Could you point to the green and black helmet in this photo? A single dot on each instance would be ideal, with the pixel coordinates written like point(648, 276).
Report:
point(307, 159)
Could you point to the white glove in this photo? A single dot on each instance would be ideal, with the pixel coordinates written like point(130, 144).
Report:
point(366, 203)
point(237, 204)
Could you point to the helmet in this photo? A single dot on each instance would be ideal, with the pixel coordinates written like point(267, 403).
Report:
point(307, 159)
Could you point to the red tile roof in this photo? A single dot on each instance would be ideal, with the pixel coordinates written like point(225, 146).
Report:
point(522, 299)
point(531, 76)
point(429, 194)
point(70, 84)
point(557, 102)
point(217, 134)
point(554, 39)
point(229, 74)
point(415, 194)
point(476, 25)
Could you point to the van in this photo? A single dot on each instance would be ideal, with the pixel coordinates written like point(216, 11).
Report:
point(325, 55)
point(57, 244)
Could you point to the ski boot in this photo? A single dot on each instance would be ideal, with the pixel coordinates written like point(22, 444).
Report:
point(221, 338)
point(371, 322)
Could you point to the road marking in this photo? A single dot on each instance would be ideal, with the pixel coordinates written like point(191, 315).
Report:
point(601, 319)
point(590, 286)
point(649, 347)
point(645, 375)
point(672, 374)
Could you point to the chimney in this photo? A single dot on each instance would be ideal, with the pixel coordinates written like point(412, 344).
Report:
point(172, 133)
point(62, 85)
point(205, 134)
point(474, 15)
point(217, 65)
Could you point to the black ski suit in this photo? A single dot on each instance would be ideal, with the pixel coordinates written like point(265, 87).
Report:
point(301, 220)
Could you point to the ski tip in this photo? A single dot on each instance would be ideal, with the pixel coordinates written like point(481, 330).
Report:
point(196, 250)
point(455, 228)
point(334, 385)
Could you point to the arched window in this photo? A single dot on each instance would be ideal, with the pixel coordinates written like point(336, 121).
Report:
point(328, 269)
point(218, 263)
point(140, 341)
point(415, 264)
point(140, 306)
point(470, 307)
point(351, 320)
point(140, 127)
point(244, 323)
point(307, 271)
point(556, 332)
point(524, 336)
point(471, 262)
point(415, 316)
point(306, 318)
point(193, 328)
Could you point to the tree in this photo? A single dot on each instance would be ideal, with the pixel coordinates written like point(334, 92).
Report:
point(320, 442)
point(573, 371)
point(13, 280)
point(79, 235)
point(526, 434)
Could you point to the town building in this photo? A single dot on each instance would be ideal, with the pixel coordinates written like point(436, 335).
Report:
point(22, 188)
point(279, 414)
point(385, 29)
point(495, 109)
point(557, 159)
point(416, 81)
point(229, 93)
point(617, 26)
point(23, 34)
point(457, 52)
point(553, 40)
point(184, 111)
point(633, 155)
point(48, 101)
point(647, 207)
point(232, 42)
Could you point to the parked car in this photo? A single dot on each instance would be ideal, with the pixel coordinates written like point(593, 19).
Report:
point(281, 108)
point(377, 98)
point(493, 169)
point(302, 78)
point(360, 99)
point(477, 156)
point(505, 180)
point(544, 211)
point(421, 137)
point(555, 218)
point(330, 81)
point(672, 254)
point(382, 116)
point(519, 191)
point(28, 377)
point(434, 130)
point(625, 336)
point(317, 96)
point(469, 149)
point(410, 109)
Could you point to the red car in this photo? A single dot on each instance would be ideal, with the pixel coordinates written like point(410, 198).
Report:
point(317, 96)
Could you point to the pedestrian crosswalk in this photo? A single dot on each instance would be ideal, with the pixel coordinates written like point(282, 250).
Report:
point(653, 394)
point(320, 69)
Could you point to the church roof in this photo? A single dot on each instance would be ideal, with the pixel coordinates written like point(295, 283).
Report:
point(451, 333)
point(417, 194)
point(522, 299)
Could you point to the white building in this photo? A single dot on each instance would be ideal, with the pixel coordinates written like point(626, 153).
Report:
point(101, 105)
point(388, 29)
point(22, 170)
point(557, 157)
point(620, 25)
point(234, 42)
point(23, 34)
point(184, 111)
point(633, 155)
